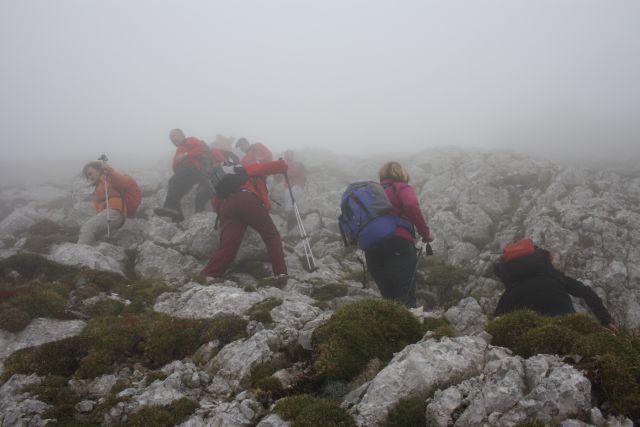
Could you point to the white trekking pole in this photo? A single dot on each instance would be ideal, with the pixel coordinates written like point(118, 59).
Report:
point(311, 262)
point(106, 196)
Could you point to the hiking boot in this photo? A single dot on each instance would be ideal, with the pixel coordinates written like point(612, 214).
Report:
point(175, 215)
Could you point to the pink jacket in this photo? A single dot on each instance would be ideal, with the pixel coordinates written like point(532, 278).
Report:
point(405, 204)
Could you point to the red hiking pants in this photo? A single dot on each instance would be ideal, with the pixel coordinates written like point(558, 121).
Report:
point(240, 210)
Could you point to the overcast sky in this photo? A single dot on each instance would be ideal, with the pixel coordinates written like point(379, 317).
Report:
point(79, 78)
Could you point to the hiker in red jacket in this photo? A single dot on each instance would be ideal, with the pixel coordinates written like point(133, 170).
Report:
point(533, 283)
point(392, 263)
point(247, 207)
point(190, 166)
point(109, 183)
point(253, 153)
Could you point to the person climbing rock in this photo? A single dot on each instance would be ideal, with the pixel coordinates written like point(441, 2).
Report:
point(190, 167)
point(532, 282)
point(247, 206)
point(392, 263)
point(109, 203)
point(253, 153)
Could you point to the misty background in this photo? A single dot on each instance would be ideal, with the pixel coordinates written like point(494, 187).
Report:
point(79, 78)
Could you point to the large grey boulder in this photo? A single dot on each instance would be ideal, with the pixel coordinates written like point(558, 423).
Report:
point(104, 256)
point(157, 262)
point(39, 331)
point(18, 408)
point(419, 369)
point(510, 390)
point(467, 317)
point(199, 237)
point(19, 221)
point(243, 410)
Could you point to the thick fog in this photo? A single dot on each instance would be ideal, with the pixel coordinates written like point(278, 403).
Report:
point(80, 78)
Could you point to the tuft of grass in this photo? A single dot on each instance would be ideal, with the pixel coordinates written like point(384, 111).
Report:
point(308, 411)
point(162, 416)
point(261, 311)
point(329, 291)
point(32, 266)
point(359, 332)
point(612, 363)
point(42, 303)
point(440, 327)
point(272, 281)
point(13, 319)
point(408, 413)
point(107, 307)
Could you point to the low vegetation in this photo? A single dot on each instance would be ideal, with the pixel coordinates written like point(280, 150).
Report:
point(261, 311)
point(612, 363)
point(359, 332)
point(408, 413)
point(162, 416)
point(308, 411)
point(436, 283)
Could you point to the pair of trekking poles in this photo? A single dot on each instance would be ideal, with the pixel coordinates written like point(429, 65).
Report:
point(311, 262)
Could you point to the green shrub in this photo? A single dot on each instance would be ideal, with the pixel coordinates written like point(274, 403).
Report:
point(162, 416)
point(225, 329)
point(359, 332)
point(439, 326)
point(309, 411)
point(13, 319)
point(261, 311)
point(42, 303)
point(32, 266)
point(107, 307)
point(612, 363)
point(57, 358)
point(329, 291)
point(408, 413)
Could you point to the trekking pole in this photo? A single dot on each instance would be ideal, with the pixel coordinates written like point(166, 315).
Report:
point(311, 262)
point(429, 252)
point(104, 158)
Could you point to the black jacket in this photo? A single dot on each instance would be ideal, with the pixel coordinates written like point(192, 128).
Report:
point(532, 282)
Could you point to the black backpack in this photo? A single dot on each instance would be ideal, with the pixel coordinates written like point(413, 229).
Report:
point(226, 178)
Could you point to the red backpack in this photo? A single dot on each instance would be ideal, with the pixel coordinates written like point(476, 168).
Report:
point(131, 195)
point(518, 249)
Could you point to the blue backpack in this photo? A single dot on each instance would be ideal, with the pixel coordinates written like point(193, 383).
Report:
point(365, 217)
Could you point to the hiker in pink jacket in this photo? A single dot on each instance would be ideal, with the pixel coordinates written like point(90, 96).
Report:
point(392, 263)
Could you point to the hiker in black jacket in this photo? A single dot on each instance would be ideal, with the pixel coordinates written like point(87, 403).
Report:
point(532, 282)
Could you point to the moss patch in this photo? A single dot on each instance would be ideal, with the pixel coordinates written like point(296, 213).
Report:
point(329, 291)
point(408, 413)
point(359, 332)
point(261, 311)
point(439, 326)
point(612, 363)
point(308, 411)
point(13, 319)
point(162, 416)
point(274, 282)
point(32, 266)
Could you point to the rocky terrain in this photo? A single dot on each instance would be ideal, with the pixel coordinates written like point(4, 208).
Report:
point(123, 332)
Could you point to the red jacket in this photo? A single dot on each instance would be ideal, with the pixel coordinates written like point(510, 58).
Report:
point(256, 183)
point(405, 204)
point(193, 148)
point(258, 153)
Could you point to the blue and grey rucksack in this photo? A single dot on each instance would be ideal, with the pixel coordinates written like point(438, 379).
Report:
point(366, 217)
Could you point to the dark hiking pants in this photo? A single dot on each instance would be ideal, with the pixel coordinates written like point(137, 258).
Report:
point(240, 210)
point(185, 177)
point(392, 263)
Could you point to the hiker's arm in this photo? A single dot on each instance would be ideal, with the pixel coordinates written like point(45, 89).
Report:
point(579, 289)
point(413, 212)
point(267, 168)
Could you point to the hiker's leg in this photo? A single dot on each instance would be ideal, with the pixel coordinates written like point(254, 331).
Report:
point(232, 231)
point(185, 177)
point(400, 265)
point(96, 226)
point(375, 258)
point(203, 195)
point(257, 217)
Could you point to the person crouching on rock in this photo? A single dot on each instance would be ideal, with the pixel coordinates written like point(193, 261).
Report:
point(110, 208)
point(190, 163)
point(533, 283)
point(392, 263)
point(247, 206)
